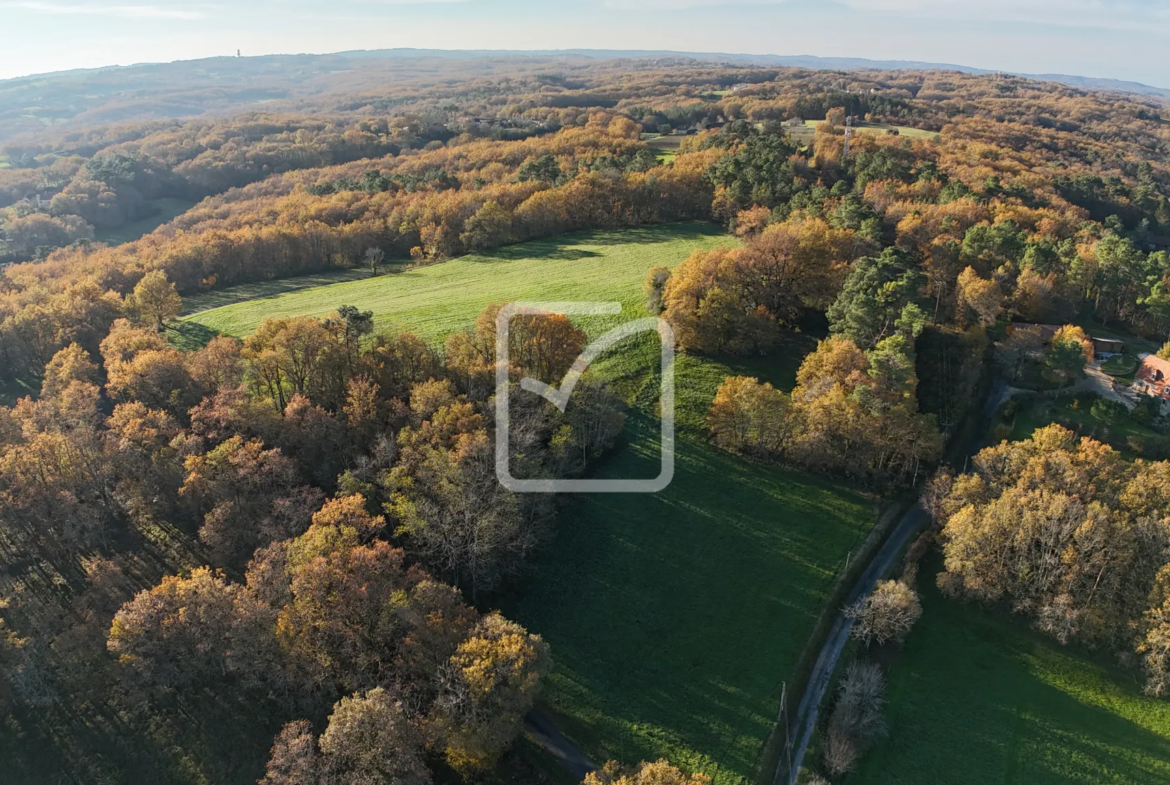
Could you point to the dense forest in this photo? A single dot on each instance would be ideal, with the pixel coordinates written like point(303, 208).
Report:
point(305, 526)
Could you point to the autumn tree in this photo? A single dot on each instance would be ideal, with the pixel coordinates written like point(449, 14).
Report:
point(749, 416)
point(857, 411)
point(1154, 644)
point(489, 227)
point(294, 758)
point(979, 296)
point(658, 773)
point(298, 355)
point(71, 364)
point(245, 494)
point(395, 362)
point(155, 300)
point(445, 495)
point(370, 738)
point(736, 300)
point(1069, 351)
point(194, 631)
point(218, 365)
point(342, 620)
point(487, 687)
point(1061, 528)
point(141, 366)
point(710, 311)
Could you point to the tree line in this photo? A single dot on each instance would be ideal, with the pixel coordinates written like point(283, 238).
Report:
point(291, 521)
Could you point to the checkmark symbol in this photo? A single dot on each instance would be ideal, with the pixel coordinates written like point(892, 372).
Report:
point(559, 396)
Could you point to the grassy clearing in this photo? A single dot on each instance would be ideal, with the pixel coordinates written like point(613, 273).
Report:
point(437, 300)
point(10, 391)
point(168, 209)
point(1121, 365)
point(880, 128)
point(217, 298)
point(1074, 413)
point(978, 697)
point(673, 617)
point(667, 147)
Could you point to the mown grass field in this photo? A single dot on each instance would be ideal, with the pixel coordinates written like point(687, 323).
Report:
point(978, 698)
point(807, 132)
point(881, 128)
point(674, 617)
point(436, 300)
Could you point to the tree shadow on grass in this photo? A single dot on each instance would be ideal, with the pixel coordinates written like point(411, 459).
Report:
point(265, 290)
point(188, 336)
point(674, 617)
point(568, 246)
point(978, 697)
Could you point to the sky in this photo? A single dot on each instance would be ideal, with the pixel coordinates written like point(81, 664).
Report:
point(1120, 39)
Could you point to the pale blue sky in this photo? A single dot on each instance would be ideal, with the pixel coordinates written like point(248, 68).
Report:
point(1123, 39)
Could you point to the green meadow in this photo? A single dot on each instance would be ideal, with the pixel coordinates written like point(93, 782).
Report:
point(673, 617)
point(978, 698)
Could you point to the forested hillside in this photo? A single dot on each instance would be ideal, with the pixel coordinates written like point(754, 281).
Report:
point(289, 545)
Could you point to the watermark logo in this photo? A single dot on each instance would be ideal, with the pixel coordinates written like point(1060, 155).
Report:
point(559, 396)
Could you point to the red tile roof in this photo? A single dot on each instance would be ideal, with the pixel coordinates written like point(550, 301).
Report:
point(1155, 372)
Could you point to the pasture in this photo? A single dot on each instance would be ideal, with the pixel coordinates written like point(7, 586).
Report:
point(806, 132)
point(673, 617)
point(436, 300)
point(979, 697)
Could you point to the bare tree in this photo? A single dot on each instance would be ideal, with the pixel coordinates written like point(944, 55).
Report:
point(856, 721)
point(887, 614)
point(373, 257)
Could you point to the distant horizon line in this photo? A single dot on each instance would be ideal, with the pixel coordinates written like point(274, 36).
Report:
point(812, 62)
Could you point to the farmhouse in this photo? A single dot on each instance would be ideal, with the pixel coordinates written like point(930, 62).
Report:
point(1153, 378)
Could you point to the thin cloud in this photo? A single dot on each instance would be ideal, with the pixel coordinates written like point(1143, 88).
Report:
point(120, 11)
point(1108, 14)
point(1094, 14)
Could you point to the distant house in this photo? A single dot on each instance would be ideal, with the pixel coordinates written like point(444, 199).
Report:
point(1100, 345)
point(1107, 345)
point(735, 88)
point(1046, 330)
point(1153, 378)
point(39, 200)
